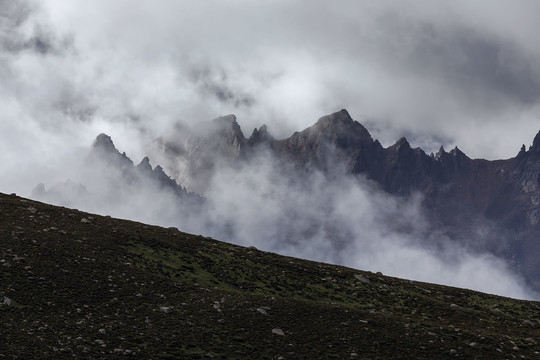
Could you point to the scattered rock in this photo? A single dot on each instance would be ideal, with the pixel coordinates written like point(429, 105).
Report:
point(455, 306)
point(85, 220)
point(7, 301)
point(252, 248)
point(528, 322)
point(278, 332)
point(473, 344)
point(362, 279)
point(262, 311)
point(453, 351)
point(166, 309)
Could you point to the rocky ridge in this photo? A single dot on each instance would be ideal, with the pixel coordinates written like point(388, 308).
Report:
point(106, 159)
point(488, 205)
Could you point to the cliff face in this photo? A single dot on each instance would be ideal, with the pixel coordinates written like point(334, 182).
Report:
point(488, 205)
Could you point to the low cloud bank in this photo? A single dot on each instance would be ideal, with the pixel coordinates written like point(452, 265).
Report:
point(458, 73)
point(338, 219)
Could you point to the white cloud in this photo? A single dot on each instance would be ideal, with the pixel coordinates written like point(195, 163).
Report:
point(450, 71)
point(460, 73)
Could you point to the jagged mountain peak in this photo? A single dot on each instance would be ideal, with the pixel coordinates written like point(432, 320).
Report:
point(402, 143)
point(103, 141)
point(104, 152)
point(440, 153)
point(338, 122)
point(260, 135)
point(228, 131)
point(457, 152)
point(231, 118)
point(159, 170)
point(337, 128)
point(144, 165)
point(536, 144)
point(103, 146)
point(227, 124)
point(522, 151)
point(342, 116)
point(145, 161)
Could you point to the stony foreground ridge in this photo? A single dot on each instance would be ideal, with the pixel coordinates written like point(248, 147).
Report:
point(77, 285)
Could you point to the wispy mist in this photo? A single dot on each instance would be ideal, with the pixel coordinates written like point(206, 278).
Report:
point(333, 218)
point(458, 73)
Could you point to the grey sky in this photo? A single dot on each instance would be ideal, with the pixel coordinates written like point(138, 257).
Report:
point(462, 73)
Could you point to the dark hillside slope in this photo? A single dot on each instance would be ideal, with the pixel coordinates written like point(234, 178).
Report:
point(86, 286)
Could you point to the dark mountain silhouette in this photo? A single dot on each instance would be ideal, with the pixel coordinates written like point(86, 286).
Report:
point(481, 205)
point(486, 205)
point(106, 159)
point(104, 151)
point(191, 156)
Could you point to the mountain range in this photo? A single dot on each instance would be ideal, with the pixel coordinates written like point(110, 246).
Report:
point(491, 206)
point(487, 205)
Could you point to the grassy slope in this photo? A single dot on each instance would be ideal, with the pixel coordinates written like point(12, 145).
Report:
point(112, 288)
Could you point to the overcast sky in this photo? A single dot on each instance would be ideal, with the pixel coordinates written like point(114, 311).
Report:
point(463, 73)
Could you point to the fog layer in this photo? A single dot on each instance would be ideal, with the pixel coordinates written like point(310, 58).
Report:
point(334, 218)
point(455, 73)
